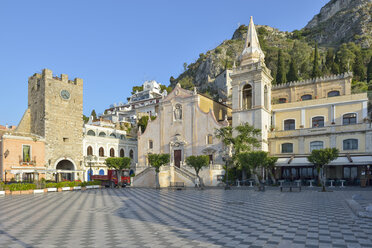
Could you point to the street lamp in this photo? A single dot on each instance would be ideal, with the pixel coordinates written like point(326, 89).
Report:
point(226, 159)
point(89, 158)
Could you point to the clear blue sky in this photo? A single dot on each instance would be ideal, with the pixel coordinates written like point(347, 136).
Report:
point(114, 45)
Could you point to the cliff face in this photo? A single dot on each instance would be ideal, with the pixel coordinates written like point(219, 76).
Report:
point(341, 21)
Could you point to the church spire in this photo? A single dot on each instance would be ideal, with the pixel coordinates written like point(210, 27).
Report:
point(252, 52)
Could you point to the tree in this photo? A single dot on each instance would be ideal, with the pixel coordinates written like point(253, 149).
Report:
point(167, 88)
point(330, 60)
point(136, 88)
point(270, 165)
point(198, 162)
point(358, 68)
point(118, 164)
point(320, 158)
point(142, 123)
point(316, 70)
point(156, 161)
point(93, 113)
point(280, 74)
point(245, 139)
point(253, 160)
point(184, 66)
point(369, 72)
point(292, 75)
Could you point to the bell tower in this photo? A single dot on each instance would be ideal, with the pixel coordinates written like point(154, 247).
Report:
point(251, 88)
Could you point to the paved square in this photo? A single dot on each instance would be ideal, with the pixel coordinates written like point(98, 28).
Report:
point(188, 218)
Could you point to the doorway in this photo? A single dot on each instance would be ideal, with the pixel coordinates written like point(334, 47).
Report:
point(177, 158)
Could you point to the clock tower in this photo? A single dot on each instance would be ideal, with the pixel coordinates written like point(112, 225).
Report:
point(56, 114)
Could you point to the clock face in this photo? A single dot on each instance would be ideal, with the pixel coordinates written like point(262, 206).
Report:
point(65, 94)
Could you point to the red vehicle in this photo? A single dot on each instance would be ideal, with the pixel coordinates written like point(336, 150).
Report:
point(111, 179)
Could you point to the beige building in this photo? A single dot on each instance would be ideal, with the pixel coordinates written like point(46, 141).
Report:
point(185, 126)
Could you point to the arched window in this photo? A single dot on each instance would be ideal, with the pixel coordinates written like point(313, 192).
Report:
point(266, 99)
point(209, 139)
point(151, 144)
point(287, 148)
point(89, 150)
point(91, 133)
point(282, 100)
point(316, 145)
point(247, 96)
point(122, 153)
point(317, 121)
point(112, 135)
point(350, 144)
point(306, 97)
point(333, 93)
point(102, 134)
point(101, 152)
point(290, 124)
point(131, 154)
point(348, 119)
point(112, 152)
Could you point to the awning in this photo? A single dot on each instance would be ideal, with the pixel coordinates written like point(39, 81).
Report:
point(302, 161)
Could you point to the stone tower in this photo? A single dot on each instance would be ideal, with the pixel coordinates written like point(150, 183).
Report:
point(56, 113)
point(251, 88)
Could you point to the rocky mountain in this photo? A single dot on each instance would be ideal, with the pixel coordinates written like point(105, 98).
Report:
point(341, 21)
point(342, 29)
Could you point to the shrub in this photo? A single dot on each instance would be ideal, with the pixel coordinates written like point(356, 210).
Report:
point(21, 186)
point(51, 185)
point(2, 186)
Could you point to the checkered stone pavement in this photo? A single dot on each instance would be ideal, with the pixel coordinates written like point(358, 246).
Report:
point(135, 217)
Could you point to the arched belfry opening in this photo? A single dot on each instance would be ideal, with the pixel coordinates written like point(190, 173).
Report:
point(247, 97)
point(63, 167)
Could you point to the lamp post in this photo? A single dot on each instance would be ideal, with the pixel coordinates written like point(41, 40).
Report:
point(226, 159)
point(89, 159)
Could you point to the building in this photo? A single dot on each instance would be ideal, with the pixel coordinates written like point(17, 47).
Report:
point(102, 140)
point(184, 126)
point(145, 102)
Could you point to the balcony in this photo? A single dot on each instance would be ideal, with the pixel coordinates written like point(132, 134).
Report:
point(31, 161)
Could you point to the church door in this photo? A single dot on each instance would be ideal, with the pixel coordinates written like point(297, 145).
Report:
point(177, 158)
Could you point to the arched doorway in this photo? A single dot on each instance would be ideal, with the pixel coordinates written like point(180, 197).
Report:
point(65, 165)
point(90, 173)
point(101, 172)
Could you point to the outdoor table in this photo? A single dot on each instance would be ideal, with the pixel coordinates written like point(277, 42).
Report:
point(281, 182)
point(298, 183)
point(238, 183)
point(311, 183)
point(342, 183)
point(251, 181)
point(331, 181)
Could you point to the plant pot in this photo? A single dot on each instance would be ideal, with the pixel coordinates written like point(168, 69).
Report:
point(90, 187)
point(25, 192)
point(66, 188)
point(2, 193)
point(38, 191)
point(76, 188)
point(59, 190)
point(45, 190)
point(16, 192)
point(7, 192)
point(52, 190)
point(83, 188)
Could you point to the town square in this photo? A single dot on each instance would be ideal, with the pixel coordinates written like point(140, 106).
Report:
point(263, 139)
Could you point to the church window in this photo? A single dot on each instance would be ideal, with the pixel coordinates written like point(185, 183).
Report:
point(89, 150)
point(290, 124)
point(131, 154)
point(318, 121)
point(266, 99)
point(112, 152)
point(306, 97)
point(287, 148)
point(247, 96)
point(26, 153)
point(348, 119)
point(316, 145)
point(91, 133)
point(122, 153)
point(333, 93)
point(282, 100)
point(209, 139)
point(101, 152)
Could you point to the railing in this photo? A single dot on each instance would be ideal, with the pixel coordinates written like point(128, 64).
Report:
point(143, 172)
point(185, 174)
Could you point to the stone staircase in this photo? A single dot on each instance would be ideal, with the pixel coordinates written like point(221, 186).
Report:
point(143, 172)
point(185, 173)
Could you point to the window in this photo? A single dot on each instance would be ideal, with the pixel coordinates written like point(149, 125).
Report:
point(318, 121)
point(101, 152)
point(131, 155)
point(91, 133)
point(350, 144)
point(26, 153)
point(282, 100)
point(247, 96)
point(112, 152)
point(348, 119)
point(306, 97)
point(210, 158)
point(151, 145)
point(102, 134)
point(89, 150)
point(287, 148)
point(333, 93)
point(209, 139)
point(122, 153)
point(316, 145)
point(266, 104)
point(112, 135)
point(289, 124)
